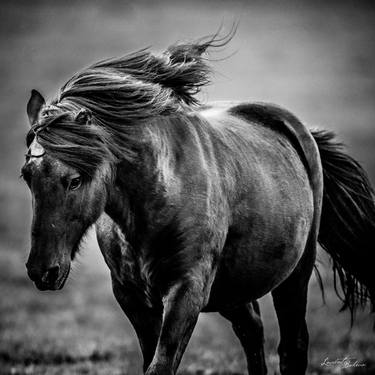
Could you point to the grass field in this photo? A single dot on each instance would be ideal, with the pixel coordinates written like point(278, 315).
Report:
point(315, 58)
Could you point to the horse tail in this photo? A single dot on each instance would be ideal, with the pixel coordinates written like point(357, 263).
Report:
point(347, 225)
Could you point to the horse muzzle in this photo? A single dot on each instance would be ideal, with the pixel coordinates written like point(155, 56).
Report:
point(53, 278)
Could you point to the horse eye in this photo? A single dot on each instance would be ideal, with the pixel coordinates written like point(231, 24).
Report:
point(75, 183)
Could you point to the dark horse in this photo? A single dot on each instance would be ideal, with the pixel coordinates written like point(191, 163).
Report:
point(197, 207)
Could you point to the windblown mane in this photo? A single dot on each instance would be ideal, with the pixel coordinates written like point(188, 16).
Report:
point(120, 93)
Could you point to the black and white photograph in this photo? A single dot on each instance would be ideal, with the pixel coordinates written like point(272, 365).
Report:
point(187, 187)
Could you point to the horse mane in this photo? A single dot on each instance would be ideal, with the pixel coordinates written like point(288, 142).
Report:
point(120, 93)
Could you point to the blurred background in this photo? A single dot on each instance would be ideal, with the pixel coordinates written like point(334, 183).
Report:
point(316, 58)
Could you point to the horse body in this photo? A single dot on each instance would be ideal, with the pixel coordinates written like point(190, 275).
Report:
point(197, 207)
point(252, 212)
point(257, 203)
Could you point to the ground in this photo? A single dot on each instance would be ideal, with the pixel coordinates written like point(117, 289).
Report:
point(315, 58)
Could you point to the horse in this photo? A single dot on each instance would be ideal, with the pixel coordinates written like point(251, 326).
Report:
point(198, 207)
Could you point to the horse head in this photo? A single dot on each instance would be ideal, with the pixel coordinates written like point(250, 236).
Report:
point(66, 198)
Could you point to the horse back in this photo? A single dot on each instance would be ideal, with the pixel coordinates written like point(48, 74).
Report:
point(271, 125)
point(300, 138)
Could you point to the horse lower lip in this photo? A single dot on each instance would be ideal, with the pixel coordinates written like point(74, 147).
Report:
point(43, 286)
point(56, 286)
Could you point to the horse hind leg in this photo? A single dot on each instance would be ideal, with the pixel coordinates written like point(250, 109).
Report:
point(248, 327)
point(290, 300)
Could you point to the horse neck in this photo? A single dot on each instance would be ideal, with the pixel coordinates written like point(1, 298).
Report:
point(135, 189)
point(141, 187)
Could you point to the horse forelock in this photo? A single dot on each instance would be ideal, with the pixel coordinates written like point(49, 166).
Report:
point(83, 147)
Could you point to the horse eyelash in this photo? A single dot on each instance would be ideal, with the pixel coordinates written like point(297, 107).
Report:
point(23, 177)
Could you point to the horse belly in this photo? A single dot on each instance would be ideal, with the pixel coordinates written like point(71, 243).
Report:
point(262, 250)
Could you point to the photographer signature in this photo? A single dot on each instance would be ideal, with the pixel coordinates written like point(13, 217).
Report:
point(345, 362)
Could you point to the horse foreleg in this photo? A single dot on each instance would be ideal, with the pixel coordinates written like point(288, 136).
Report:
point(145, 320)
point(182, 306)
point(248, 327)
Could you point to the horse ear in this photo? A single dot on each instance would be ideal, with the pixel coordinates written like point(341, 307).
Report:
point(34, 105)
point(83, 117)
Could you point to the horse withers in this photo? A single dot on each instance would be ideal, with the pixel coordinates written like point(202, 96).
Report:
point(197, 207)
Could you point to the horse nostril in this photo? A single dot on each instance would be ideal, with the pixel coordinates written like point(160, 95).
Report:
point(51, 275)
